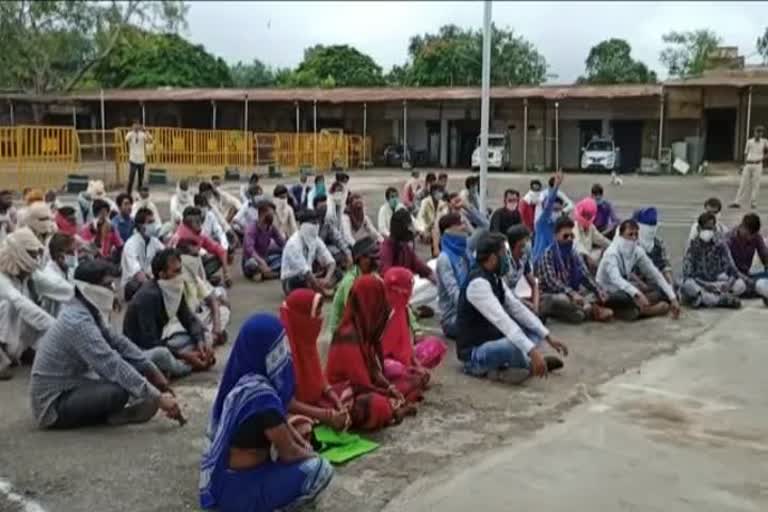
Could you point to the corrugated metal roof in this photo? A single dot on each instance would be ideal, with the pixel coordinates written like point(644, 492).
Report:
point(351, 94)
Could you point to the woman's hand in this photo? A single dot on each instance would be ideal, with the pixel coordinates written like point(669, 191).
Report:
point(337, 420)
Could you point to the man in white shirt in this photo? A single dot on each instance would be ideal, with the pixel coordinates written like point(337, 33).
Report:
point(387, 209)
point(622, 258)
point(211, 227)
point(755, 153)
point(54, 283)
point(138, 251)
point(145, 201)
point(301, 252)
point(497, 335)
point(225, 202)
point(137, 140)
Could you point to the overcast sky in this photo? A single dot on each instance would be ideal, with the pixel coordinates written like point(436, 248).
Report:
point(277, 32)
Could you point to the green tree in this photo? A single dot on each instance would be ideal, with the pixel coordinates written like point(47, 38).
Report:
point(334, 66)
point(453, 57)
point(687, 53)
point(144, 59)
point(54, 44)
point(255, 74)
point(611, 62)
point(762, 46)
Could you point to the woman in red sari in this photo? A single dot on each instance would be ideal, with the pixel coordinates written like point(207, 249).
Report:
point(356, 357)
point(401, 356)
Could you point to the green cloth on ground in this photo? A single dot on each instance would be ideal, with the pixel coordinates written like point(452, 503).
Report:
point(341, 447)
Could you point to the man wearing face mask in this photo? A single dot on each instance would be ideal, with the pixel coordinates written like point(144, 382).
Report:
point(427, 216)
point(498, 336)
point(37, 217)
point(647, 220)
point(159, 316)
point(452, 203)
point(606, 219)
point(318, 190)
point(263, 245)
point(53, 284)
point(211, 227)
point(391, 205)
point(519, 240)
point(366, 256)
point(715, 207)
point(102, 238)
point(623, 258)
point(355, 223)
point(22, 321)
point(248, 213)
point(528, 204)
point(139, 250)
point(285, 219)
point(300, 191)
point(215, 257)
point(508, 215)
point(85, 373)
point(182, 199)
point(222, 200)
point(303, 252)
point(397, 249)
point(331, 236)
point(569, 292)
point(710, 278)
point(551, 210)
point(8, 219)
point(452, 270)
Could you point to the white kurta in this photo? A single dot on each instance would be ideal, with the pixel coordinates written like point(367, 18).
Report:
point(22, 322)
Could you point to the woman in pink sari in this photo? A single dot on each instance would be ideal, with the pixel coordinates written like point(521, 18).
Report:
point(402, 357)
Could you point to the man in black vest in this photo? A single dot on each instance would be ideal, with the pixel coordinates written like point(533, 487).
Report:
point(498, 336)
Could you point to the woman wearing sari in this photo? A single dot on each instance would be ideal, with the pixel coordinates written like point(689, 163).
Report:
point(402, 357)
point(255, 460)
point(355, 357)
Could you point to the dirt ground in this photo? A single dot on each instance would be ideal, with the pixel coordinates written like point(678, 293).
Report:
point(154, 467)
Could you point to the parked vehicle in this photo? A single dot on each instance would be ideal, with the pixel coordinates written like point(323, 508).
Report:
point(600, 155)
point(499, 152)
point(393, 156)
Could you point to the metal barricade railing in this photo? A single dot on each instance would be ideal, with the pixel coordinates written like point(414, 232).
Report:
point(37, 156)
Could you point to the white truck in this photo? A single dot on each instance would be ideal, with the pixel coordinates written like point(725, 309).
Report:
point(499, 153)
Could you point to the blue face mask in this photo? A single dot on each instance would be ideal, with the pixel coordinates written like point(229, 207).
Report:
point(320, 189)
point(566, 246)
point(393, 202)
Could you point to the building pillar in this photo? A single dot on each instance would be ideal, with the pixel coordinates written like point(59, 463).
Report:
point(557, 135)
point(661, 123)
point(406, 156)
point(213, 114)
point(525, 135)
point(364, 158)
point(443, 142)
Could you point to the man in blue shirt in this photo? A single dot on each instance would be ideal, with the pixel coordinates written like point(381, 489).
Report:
point(552, 209)
point(123, 222)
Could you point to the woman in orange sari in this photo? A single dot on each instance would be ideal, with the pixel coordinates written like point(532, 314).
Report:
point(356, 357)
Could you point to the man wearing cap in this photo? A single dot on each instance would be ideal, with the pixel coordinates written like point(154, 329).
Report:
point(498, 336)
point(365, 254)
point(263, 245)
point(755, 153)
point(301, 253)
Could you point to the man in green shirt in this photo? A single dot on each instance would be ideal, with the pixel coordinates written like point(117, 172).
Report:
point(365, 254)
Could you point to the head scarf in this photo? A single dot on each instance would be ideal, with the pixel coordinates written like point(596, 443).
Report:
point(34, 195)
point(301, 318)
point(63, 224)
point(397, 342)
point(95, 189)
point(647, 220)
point(38, 218)
point(14, 252)
point(455, 247)
point(584, 213)
point(258, 377)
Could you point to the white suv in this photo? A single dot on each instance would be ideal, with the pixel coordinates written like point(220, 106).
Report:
point(498, 152)
point(600, 155)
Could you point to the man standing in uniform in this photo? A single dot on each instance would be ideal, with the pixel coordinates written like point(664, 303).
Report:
point(754, 154)
point(137, 140)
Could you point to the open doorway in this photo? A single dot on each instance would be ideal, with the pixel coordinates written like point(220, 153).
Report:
point(721, 131)
point(628, 137)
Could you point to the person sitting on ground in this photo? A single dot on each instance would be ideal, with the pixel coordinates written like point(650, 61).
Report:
point(318, 190)
point(528, 204)
point(206, 190)
point(715, 207)
point(248, 213)
point(623, 258)
point(209, 303)
point(65, 220)
point(145, 201)
point(211, 227)
point(100, 235)
point(508, 215)
point(300, 191)
point(22, 321)
point(519, 241)
point(499, 337)
point(222, 200)
point(647, 221)
point(8, 215)
point(744, 242)
point(605, 219)
point(245, 194)
point(285, 219)
point(263, 245)
point(52, 201)
point(180, 201)
point(451, 204)
point(442, 180)
point(569, 292)
point(138, 253)
point(470, 200)
point(452, 270)
point(302, 252)
point(336, 206)
point(215, 257)
point(589, 241)
point(331, 236)
point(710, 277)
point(551, 210)
point(365, 254)
point(123, 221)
point(391, 205)
point(397, 249)
point(56, 286)
point(356, 225)
point(255, 459)
point(342, 179)
point(38, 218)
point(159, 316)
point(411, 190)
point(430, 180)
point(85, 199)
point(85, 373)
point(427, 216)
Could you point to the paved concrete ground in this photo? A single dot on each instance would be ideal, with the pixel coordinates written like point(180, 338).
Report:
point(153, 467)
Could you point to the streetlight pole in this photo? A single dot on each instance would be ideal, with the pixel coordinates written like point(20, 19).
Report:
point(485, 101)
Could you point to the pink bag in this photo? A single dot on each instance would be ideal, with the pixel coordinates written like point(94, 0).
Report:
point(430, 351)
point(393, 369)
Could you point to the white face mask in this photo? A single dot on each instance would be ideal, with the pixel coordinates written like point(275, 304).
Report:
point(172, 292)
point(309, 232)
point(647, 236)
point(100, 297)
point(706, 235)
point(626, 247)
point(70, 260)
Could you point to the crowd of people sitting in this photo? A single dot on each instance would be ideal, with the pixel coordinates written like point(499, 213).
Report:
point(495, 279)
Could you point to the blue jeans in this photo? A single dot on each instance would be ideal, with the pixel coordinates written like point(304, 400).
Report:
point(497, 355)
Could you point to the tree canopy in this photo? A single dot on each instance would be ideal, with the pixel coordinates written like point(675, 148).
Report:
point(453, 57)
point(687, 53)
point(333, 66)
point(611, 62)
point(254, 74)
point(54, 44)
point(142, 59)
point(762, 46)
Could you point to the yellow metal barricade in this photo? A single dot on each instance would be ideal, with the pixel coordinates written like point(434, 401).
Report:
point(37, 156)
